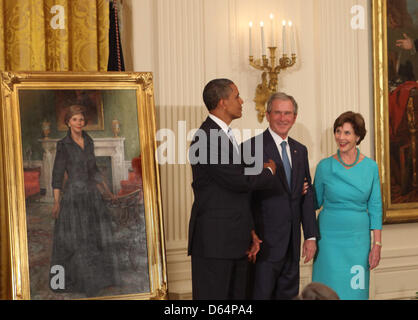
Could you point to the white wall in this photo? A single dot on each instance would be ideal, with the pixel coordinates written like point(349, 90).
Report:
point(189, 42)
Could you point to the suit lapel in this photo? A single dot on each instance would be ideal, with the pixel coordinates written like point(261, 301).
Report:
point(295, 154)
point(270, 148)
point(273, 153)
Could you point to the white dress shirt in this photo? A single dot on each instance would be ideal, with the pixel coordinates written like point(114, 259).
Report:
point(226, 129)
point(220, 123)
point(278, 140)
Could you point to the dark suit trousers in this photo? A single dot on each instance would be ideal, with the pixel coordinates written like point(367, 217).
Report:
point(277, 280)
point(219, 279)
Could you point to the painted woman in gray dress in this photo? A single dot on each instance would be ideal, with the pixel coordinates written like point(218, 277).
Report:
point(83, 242)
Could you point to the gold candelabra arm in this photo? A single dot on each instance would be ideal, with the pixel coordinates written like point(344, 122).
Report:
point(265, 61)
point(260, 64)
point(286, 62)
point(293, 58)
point(256, 63)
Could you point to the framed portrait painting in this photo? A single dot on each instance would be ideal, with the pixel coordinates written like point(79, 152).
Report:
point(395, 63)
point(80, 203)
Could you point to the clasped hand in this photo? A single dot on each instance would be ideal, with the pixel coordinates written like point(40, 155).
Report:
point(254, 248)
point(272, 165)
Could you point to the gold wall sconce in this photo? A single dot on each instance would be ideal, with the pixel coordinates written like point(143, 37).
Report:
point(270, 67)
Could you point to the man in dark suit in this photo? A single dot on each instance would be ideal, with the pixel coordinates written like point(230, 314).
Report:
point(221, 224)
point(279, 212)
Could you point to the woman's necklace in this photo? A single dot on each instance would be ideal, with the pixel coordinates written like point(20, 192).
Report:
point(345, 164)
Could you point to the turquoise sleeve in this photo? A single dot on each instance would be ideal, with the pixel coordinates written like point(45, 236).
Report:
point(319, 186)
point(374, 204)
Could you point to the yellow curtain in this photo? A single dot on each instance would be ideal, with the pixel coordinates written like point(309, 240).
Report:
point(54, 35)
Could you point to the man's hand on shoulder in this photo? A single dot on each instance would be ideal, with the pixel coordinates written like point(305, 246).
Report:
point(305, 187)
point(271, 165)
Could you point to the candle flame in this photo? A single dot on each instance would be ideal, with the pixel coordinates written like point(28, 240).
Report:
point(261, 24)
point(284, 22)
point(251, 24)
point(271, 16)
point(290, 23)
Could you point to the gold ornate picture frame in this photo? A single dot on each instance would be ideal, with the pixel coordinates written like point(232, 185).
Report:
point(130, 213)
point(396, 108)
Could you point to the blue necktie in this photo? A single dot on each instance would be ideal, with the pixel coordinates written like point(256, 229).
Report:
point(286, 162)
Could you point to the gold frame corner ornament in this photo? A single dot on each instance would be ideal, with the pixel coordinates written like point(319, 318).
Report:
point(9, 79)
point(392, 213)
point(14, 269)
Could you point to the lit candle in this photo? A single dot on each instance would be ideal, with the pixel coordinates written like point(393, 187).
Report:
point(284, 36)
point(263, 44)
point(250, 40)
point(272, 29)
point(292, 37)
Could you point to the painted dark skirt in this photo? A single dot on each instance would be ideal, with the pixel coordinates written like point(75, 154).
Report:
point(83, 245)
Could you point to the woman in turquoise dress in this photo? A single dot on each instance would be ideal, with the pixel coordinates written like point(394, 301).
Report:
point(347, 187)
